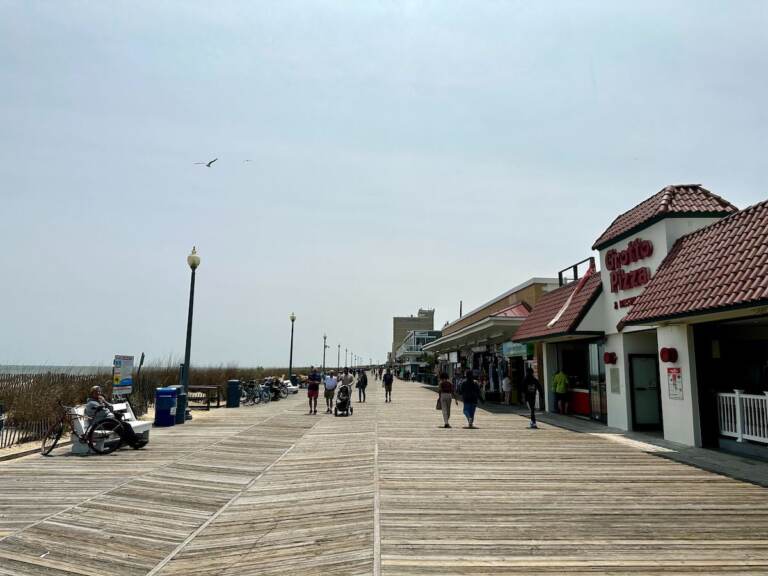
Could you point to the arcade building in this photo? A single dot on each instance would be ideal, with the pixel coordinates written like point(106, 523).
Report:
point(670, 332)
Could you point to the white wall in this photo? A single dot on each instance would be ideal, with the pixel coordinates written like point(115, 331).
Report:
point(681, 417)
point(550, 365)
point(619, 415)
point(657, 234)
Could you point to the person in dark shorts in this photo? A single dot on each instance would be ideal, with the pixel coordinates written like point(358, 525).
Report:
point(388, 379)
point(313, 390)
point(532, 386)
point(361, 385)
point(470, 394)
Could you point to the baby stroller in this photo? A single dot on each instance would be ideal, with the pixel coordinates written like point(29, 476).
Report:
point(343, 401)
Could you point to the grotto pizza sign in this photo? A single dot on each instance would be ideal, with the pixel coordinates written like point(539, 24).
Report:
point(617, 260)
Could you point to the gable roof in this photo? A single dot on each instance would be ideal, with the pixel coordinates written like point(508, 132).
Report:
point(521, 310)
point(673, 201)
point(535, 326)
point(721, 266)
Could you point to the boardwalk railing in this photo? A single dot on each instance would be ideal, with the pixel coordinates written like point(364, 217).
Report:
point(743, 416)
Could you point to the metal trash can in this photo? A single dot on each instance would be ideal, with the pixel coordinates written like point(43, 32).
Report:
point(181, 404)
point(233, 393)
point(165, 406)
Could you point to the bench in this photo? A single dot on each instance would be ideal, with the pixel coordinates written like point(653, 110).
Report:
point(205, 393)
point(81, 423)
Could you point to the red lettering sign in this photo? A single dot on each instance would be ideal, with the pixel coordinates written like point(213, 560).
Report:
point(637, 250)
point(615, 260)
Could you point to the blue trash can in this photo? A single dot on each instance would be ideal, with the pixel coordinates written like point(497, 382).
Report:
point(165, 406)
point(233, 393)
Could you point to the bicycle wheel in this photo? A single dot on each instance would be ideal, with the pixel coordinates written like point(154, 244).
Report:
point(104, 436)
point(266, 396)
point(51, 438)
point(256, 398)
point(283, 392)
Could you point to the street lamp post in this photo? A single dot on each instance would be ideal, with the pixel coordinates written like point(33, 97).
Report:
point(290, 359)
point(346, 357)
point(338, 359)
point(325, 347)
point(193, 260)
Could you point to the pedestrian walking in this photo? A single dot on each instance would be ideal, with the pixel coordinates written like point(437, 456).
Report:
point(362, 384)
point(313, 390)
point(483, 385)
point(446, 393)
point(532, 386)
point(506, 387)
point(330, 389)
point(470, 394)
point(347, 378)
point(388, 379)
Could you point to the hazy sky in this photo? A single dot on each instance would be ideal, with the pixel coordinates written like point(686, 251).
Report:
point(404, 154)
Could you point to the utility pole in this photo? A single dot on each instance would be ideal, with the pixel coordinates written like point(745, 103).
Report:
point(338, 359)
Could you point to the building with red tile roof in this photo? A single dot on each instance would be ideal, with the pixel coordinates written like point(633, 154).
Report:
point(718, 268)
point(539, 323)
point(676, 201)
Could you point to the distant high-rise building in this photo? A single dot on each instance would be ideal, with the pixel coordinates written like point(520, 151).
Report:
point(401, 325)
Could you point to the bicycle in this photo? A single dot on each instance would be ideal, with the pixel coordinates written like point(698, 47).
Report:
point(250, 393)
point(103, 436)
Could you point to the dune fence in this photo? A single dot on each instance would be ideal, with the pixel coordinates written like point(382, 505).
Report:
point(29, 401)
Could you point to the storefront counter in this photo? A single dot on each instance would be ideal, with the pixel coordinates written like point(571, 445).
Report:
point(580, 402)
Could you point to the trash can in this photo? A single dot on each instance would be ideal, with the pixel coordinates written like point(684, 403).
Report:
point(233, 393)
point(181, 404)
point(165, 406)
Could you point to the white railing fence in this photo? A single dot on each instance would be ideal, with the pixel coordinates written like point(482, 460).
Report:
point(743, 416)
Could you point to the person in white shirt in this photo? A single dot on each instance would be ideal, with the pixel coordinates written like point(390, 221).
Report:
point(330, 390)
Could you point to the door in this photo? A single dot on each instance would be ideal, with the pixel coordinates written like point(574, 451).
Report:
point(646, 393)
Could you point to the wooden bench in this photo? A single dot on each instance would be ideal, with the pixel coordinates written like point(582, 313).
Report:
point(205, 393)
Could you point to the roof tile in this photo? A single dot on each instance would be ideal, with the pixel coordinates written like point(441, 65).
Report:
point(678, 200)
point(535, 326)
point(720, 266)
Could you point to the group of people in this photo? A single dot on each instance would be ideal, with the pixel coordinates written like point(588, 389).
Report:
point(471, 392)
point(347, 378)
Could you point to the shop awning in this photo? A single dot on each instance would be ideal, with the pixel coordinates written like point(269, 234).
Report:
point(555, 316)
point(499, 327)
point(720, 268)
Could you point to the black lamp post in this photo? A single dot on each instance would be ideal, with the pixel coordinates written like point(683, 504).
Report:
point(338, 359)
point(346, 357)
point(290, 360)
point(193, 260)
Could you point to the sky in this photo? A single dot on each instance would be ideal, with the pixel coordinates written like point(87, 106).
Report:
point(401, 155)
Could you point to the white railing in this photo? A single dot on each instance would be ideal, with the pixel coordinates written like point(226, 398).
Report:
point(743, 416)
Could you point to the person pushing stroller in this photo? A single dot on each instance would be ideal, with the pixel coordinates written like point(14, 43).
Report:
point(343, 400)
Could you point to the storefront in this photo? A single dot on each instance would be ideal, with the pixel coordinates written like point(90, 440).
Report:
point(709, 302)
point(481, 340)
point(590, 329)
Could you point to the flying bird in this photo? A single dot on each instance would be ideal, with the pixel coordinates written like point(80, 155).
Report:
point(207, 164)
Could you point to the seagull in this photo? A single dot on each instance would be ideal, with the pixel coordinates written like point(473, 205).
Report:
point(207, 164)
point(245, 161)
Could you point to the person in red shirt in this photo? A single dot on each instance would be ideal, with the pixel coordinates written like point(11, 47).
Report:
point(313, 390)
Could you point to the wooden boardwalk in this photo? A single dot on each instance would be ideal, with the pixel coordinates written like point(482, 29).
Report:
point(270, 490)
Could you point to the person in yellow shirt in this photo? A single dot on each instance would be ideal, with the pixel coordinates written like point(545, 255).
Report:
point(560, 384)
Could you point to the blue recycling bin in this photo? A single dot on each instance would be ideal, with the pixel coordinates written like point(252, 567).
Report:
point(165, 406)
point(233, 393)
